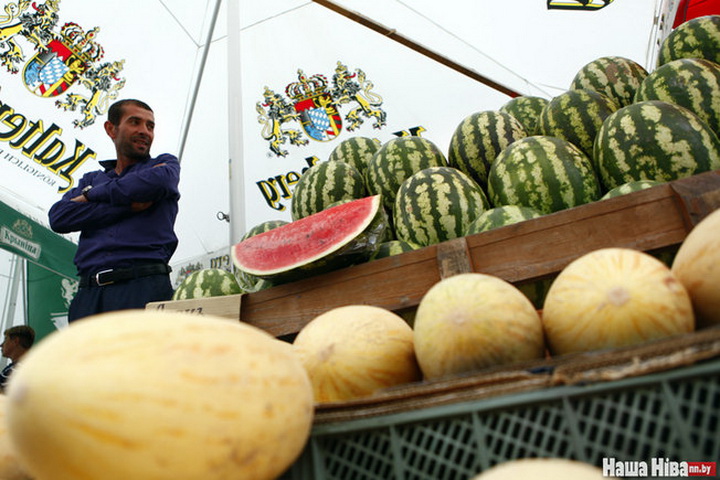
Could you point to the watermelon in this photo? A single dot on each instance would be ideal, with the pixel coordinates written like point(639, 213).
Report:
point(630, 187)
point(526, 109)
point(250, 283)
point(544, 173)
point(499, 217)
point(696, 38)
point(692, 83)
point(479, 138)
point(380, 226)
point(618, 78)
point(654, 140)
point(576, 116)
point(208, 282)
point(332, 238)
point(323, 184)
point(390, 248)
point(396, 160)
point(437, 204)
point(355, 151)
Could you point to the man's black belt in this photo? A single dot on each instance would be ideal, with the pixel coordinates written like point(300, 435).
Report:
point(117, 275)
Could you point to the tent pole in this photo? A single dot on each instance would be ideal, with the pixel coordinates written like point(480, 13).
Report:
point(13, 287)
point(198, 80)
point(235, 124)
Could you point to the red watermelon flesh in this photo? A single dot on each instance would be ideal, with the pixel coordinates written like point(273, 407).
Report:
point(298, 245)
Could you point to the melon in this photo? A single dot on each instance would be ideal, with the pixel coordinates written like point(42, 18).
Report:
point(355, 351)
point(159, 395)
point(323, 184)
point(614, 297)
point(391, 248)
point(542, 469)
point(333, 238)
point(618, 78)
point(697, 38)
point(693, 83)
point(630, 187)
point(355, 151)
point(478, 140)
point(546, 174)
point(435, 205)
point(576, 116)
point(207, 282)
point(10, 468)
point(526, 109)
point(250, 283)
point(654, 140)
point(499, 217)
point(472, 321)
point(697, 266)
point(395, 161)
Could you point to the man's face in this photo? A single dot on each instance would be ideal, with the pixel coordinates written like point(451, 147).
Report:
point(134, 135)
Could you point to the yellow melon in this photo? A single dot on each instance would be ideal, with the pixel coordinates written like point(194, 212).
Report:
point(152, 395)
point(354, 351)
point(542, 469)
point(614, 297)
point(10, 468)
point(697, 266)
point(470, 321)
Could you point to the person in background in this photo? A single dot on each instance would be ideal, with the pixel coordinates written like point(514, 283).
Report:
point(125, 214)
point(18, 341)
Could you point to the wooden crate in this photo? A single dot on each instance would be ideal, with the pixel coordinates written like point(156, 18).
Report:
point(650, 220)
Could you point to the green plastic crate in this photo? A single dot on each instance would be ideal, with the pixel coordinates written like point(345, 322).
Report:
point(673, 414)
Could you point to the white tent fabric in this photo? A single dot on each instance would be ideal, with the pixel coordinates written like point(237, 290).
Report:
point(204, 67)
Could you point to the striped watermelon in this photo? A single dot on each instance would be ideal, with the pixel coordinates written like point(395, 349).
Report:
point(208, 282)
point(333, 238)
point(479, 138)
point(390, 248)
point(693, 83)
point(576, 116)
point(396, 160)
point(630, 187)
point(499, 217)
point(250, 283)
point(435, 205)
point(355, 151)
point(696, 38)
point(618, 78)
point(544, 173)
point(526, 109)
point(323, 184)
point(654, 140)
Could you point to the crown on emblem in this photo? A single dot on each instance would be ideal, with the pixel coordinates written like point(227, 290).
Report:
point(80, 43)
point(306, 87)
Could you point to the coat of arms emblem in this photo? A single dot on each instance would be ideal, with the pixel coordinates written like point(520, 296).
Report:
point(315, 102)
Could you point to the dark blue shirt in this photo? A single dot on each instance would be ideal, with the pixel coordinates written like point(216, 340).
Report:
point(112, 235)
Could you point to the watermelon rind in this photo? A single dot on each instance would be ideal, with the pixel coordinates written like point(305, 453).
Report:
point(526, 109)
point(323, 184)
point(618, 78)
point(478, 140)
point(341, 236)
point(436, 204)
point(205, 283)
point(576, 116)
point(630, 187)
point(547, 174)
point(697, 38)
point(693, 83)
point(355, 151)
point(395, 161)
point(497, 217)
point(654, 140)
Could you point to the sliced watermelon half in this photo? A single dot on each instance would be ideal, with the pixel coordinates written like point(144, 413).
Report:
point(333, 238)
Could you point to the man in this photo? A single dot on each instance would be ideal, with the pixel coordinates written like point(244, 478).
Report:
point(18, 341)
point(126, 217)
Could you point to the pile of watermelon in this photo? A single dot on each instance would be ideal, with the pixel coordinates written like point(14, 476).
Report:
point(618, 128)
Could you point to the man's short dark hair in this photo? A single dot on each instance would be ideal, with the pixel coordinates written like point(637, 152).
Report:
point(25, 333)
point(116, 109)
